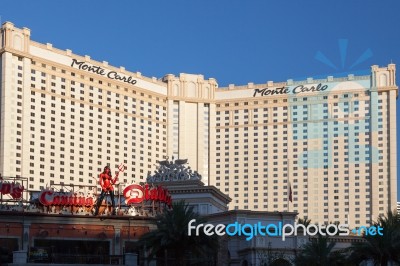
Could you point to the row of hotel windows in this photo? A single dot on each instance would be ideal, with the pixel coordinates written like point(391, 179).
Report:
point(91, 121)
point(295, 131)
point(295, 99)
point(265, 121)
point(99, 123)
point(295, 143)
point(305, 185)
point(82, 77)
point(284, 126)
point(277, 111)
point(285, 169)
point(133, 106)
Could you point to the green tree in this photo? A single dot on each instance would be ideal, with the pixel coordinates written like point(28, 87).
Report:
point(319, 251)
point(171, 242)
point(381, 249)
point(306, 222)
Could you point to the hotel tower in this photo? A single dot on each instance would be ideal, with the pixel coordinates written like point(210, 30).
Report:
point(325, 148)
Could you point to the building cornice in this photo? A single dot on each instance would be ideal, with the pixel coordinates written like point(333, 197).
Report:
point(271, 84)
point(214, 191)
point(87, 59)
point(105, 81)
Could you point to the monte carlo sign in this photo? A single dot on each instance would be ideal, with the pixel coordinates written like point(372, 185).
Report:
point(295, 90)
point(103, 72)
point(289, 90)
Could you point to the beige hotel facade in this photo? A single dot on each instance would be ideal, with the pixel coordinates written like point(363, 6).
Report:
point(330, 143)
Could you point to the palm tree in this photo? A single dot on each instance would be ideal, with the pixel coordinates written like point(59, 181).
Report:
point(319, 252)
point(171, 242)
point(306, 222)
point(381, 249)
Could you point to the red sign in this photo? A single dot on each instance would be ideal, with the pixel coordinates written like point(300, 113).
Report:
point(14, 189)
point(136, 194)
point(48, 197)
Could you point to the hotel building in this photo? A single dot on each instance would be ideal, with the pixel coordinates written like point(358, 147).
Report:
point(323, 148)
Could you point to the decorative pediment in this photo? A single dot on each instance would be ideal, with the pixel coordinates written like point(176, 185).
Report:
point(174, 170)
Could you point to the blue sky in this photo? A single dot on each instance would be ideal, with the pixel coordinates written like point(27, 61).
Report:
point(230, 40)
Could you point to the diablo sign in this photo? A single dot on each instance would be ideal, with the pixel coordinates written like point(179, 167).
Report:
point(14, 189)
point(48, 198)
point(136, 194)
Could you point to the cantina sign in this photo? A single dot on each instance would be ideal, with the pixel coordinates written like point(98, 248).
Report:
point(49, 197)
point(137, 194)
point(103, 72)
point(289, 90)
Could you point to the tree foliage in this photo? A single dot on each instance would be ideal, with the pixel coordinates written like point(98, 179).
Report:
point(319, 252)
point(380, 249)
point(171, 240)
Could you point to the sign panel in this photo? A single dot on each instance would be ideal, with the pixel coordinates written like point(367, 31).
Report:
point(137, 194)
point(103, 72)
point(133, 194)
point(13, 189)
point(300, 90)
point(49, 197)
